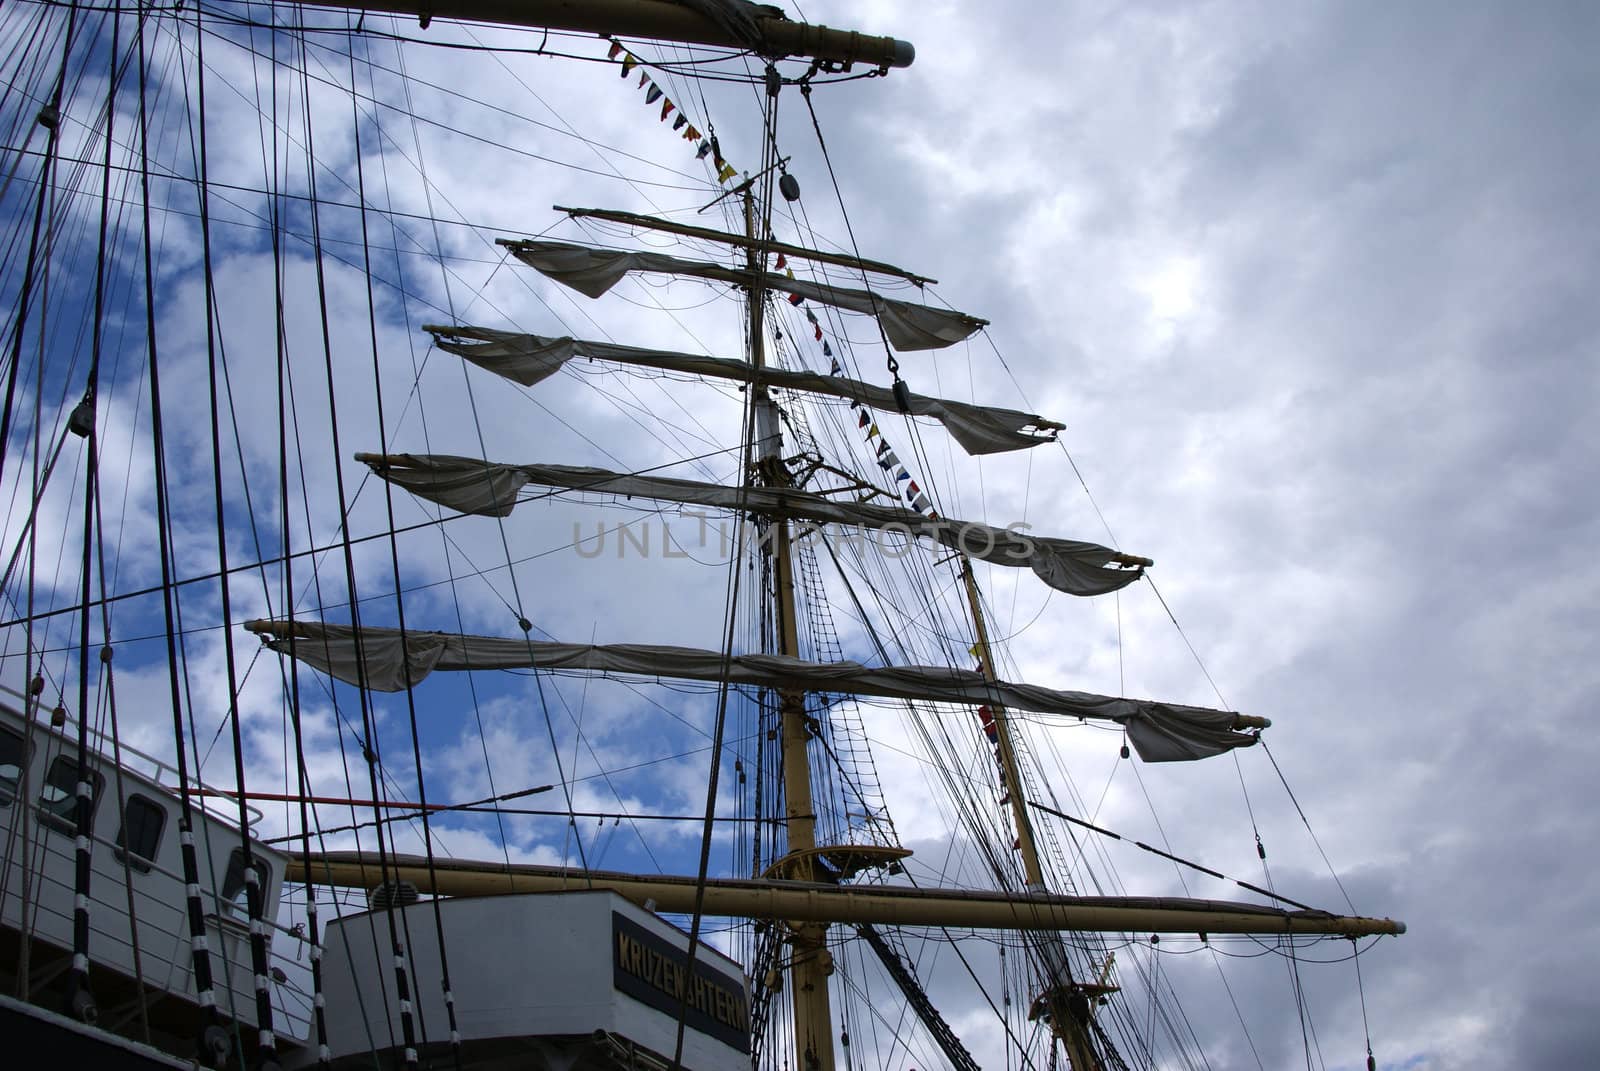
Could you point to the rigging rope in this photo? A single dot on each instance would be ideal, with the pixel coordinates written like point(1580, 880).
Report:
point(212, 1040)
point(80, 999)
point(369, 725)
point(49, 118)
point(254, 893)
point(411, 703)
point(1372, 1064)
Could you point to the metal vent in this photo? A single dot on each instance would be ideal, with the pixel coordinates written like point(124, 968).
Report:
point(392, 894)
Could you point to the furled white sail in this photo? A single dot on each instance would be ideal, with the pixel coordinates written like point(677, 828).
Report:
point(488, 488)
point(594, 271)
point(528, 359)
point(385, 660)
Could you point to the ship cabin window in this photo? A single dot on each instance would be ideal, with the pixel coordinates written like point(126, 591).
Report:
point(234, 891)
point(13, 755)
point(143, 822)
point(58, 801)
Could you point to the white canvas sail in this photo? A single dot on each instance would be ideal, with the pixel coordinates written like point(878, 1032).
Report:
point(530, 359)
point(386, 660)
point(594, 271)
point(488, 488)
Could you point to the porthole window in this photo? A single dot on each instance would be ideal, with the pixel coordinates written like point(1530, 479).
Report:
point(143, 822)
point(58, 801)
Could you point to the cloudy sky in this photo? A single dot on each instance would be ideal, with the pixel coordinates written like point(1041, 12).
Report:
point(1309, 284)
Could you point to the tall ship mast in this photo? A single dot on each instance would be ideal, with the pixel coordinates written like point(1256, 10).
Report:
point(403, 668)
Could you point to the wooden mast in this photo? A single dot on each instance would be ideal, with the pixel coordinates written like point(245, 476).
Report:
point(810, 963)
point(766, 31)
point(796, 252)
point(1068, 1016)
point(897, 905)
point(1010, 775)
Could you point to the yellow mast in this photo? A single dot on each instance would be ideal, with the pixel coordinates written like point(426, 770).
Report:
point(1068, 1016)
point(897, 905)
point(810, 963)
point(1008, 757)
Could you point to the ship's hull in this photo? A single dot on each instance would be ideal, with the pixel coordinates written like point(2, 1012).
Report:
point(62, 1042)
